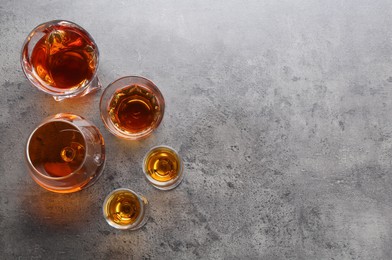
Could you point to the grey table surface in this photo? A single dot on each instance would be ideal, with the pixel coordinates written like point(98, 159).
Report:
point(280, 109)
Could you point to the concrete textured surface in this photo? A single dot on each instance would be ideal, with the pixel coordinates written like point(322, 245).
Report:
point(282, 111)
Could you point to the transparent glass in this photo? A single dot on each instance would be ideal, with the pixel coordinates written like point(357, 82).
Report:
point(125, 209)
point(61, 58)
point(132, 107)
point(65, 153)
point(163, 167)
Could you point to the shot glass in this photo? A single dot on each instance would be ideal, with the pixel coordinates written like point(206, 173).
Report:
point(61, 58)
point(163, 167)
point(125, 209)
point(65, 153)
point(132, 107)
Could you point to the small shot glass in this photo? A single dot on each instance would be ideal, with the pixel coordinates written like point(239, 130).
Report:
point(125, 209)
point(132, 107)
point(61, 58)
point(163, 167)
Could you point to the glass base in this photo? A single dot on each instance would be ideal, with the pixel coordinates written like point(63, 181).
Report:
point(94, 86)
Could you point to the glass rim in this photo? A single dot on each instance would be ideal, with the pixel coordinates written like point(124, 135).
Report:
point(54, 119)
point(107, 96)
point(164, 185)
point(138, 220)
point(33, 79)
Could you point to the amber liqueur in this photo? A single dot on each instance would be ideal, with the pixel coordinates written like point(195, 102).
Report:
point(133, 109)
point(57, 149)
point(162, 165)
point(122, 208)
point(64, 58)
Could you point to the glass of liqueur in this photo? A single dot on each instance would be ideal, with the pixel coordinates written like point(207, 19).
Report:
point(163, 167)
point(125, 209)
point(65, 153)
point(61, 59)
point(132, 107)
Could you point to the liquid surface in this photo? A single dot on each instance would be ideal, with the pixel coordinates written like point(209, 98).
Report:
point(123, 208)
point(57, 149)
point(162, 165)
point(133, 109)
point(64, 58)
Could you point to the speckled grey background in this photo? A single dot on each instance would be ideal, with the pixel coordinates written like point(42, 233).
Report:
point(280, 109)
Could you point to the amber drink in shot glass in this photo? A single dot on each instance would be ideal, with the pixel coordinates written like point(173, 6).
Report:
point(65, 153)
point(61, 58)
point(125, 209)
point(132, 107)
point(163, 167)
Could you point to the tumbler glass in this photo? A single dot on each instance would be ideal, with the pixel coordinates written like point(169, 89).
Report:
point(132, 107)
point(61, 58)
